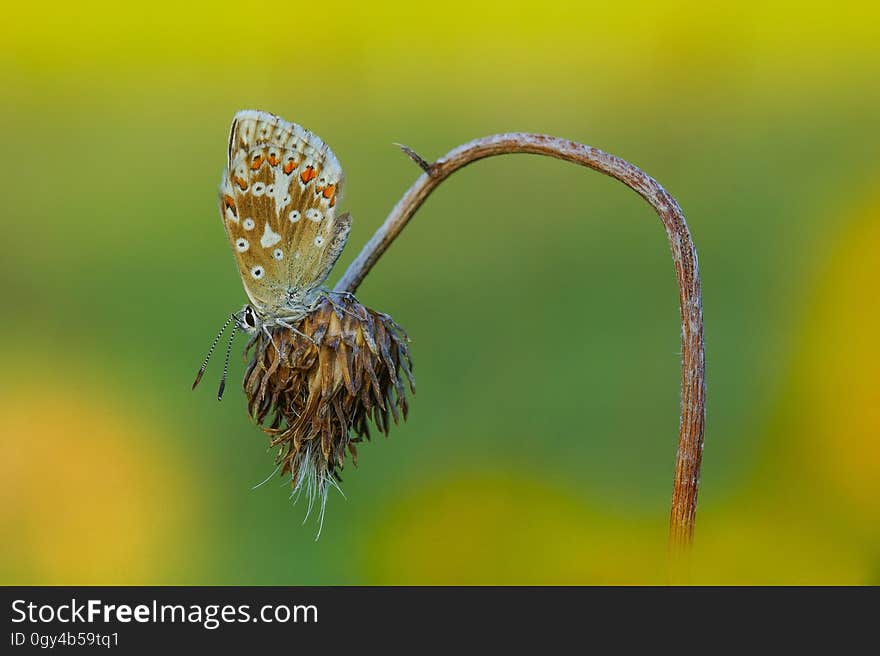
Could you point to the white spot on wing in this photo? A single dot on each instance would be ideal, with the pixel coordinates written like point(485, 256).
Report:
point(248, 224)
point(270, 237)
point(242, 244)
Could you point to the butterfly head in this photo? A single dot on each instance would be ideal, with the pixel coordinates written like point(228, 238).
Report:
point(248, 320)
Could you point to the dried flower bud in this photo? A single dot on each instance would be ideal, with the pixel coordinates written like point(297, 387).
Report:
point(315, 389)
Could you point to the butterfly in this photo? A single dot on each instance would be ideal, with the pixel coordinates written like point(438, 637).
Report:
point(278, 198)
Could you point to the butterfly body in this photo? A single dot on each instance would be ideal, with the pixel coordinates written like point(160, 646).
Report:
point(278, 199)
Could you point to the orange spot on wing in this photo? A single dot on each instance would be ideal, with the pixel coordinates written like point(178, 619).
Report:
point(273, 159)
point(328, 191)
point(308, 174)
point(242, 184)
point(229, 204)
point(257, 161)
point(289, 165)
point(333, 200)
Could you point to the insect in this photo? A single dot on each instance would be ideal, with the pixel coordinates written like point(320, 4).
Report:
point(278, 198)
point(323, 367)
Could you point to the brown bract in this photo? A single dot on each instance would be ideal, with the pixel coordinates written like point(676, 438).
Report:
point(315, 389)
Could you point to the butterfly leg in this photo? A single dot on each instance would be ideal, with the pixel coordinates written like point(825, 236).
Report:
point(284, 323)
point(271, 339)
point(348, 295)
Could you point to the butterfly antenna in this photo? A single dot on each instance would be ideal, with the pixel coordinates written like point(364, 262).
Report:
point(211, 351)
point(226, 364)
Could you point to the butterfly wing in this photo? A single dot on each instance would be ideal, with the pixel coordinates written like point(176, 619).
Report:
point(278, 200)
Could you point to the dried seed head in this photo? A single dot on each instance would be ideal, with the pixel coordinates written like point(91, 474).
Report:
point(315, 389)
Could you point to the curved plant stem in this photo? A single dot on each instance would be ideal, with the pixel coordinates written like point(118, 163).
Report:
point(684, 257)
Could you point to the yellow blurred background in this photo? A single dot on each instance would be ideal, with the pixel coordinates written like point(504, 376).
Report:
point(540, 298)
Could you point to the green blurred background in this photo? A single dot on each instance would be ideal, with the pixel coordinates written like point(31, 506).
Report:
point(540, 297)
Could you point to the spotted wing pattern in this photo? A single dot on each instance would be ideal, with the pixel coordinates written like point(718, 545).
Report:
point(278, 200)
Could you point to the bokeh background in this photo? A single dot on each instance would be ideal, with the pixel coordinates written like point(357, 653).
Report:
point(540, 297)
